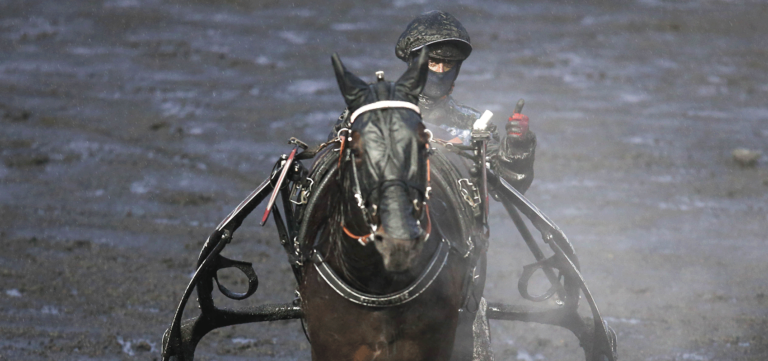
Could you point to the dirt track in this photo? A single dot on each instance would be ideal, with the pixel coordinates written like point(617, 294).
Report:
point(130, 128)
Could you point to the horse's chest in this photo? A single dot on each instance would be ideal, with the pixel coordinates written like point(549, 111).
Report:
point(420, 329)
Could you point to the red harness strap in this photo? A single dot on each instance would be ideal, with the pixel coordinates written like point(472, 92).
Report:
point(342, 139)
point(362, 239)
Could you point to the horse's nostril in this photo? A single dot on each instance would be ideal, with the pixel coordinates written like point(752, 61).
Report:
point(378, 238)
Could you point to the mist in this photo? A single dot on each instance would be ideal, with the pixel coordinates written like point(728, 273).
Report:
point(130, 128)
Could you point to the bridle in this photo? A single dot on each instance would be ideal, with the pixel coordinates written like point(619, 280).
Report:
point(357, 192)
point(435, 264)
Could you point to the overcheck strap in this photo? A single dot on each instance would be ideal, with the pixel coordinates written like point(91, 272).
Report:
point(381, 105)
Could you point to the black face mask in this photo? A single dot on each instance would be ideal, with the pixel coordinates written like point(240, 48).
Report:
point(440, 84)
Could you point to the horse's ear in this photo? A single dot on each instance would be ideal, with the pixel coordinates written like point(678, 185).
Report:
point(352, 87)
point(413, 80)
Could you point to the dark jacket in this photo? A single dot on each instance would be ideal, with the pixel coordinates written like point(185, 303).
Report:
point(511, 158)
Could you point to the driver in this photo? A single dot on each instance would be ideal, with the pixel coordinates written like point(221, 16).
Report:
point(512, 153)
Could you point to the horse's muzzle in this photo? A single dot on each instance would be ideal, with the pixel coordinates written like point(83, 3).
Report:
point(399, 255)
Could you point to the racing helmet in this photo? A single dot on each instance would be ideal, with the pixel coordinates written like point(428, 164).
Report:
point(445, 39)
point(444, 35)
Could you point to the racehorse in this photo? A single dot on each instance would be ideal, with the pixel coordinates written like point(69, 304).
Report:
point(387, 243)
point(385, 284)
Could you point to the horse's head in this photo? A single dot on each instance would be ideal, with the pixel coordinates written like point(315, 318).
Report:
point(384, 163)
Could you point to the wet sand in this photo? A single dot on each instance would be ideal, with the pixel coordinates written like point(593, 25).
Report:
point(130, 128)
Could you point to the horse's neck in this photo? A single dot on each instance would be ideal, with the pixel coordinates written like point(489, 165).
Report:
point(361, 266)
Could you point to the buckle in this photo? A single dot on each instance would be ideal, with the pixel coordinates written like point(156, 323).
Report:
point(469, 192)
point(302, 196)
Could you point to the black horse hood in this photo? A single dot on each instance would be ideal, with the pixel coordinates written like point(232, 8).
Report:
point(391, 138)
point(389, 146)
point(432, 28)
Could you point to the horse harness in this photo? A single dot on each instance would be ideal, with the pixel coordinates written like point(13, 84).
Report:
point(322, 173)
point(364, 239)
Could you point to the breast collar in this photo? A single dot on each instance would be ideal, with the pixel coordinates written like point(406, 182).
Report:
point(416, 288)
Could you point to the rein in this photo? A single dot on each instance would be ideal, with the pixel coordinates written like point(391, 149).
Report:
point(382, 104)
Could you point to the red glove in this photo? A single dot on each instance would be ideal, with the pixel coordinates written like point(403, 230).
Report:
point(517, 126)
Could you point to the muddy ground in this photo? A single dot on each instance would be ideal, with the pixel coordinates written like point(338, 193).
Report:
point(130, 128)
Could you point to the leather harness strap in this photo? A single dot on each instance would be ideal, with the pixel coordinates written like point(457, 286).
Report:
point(362, 239)
point(436, 264)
